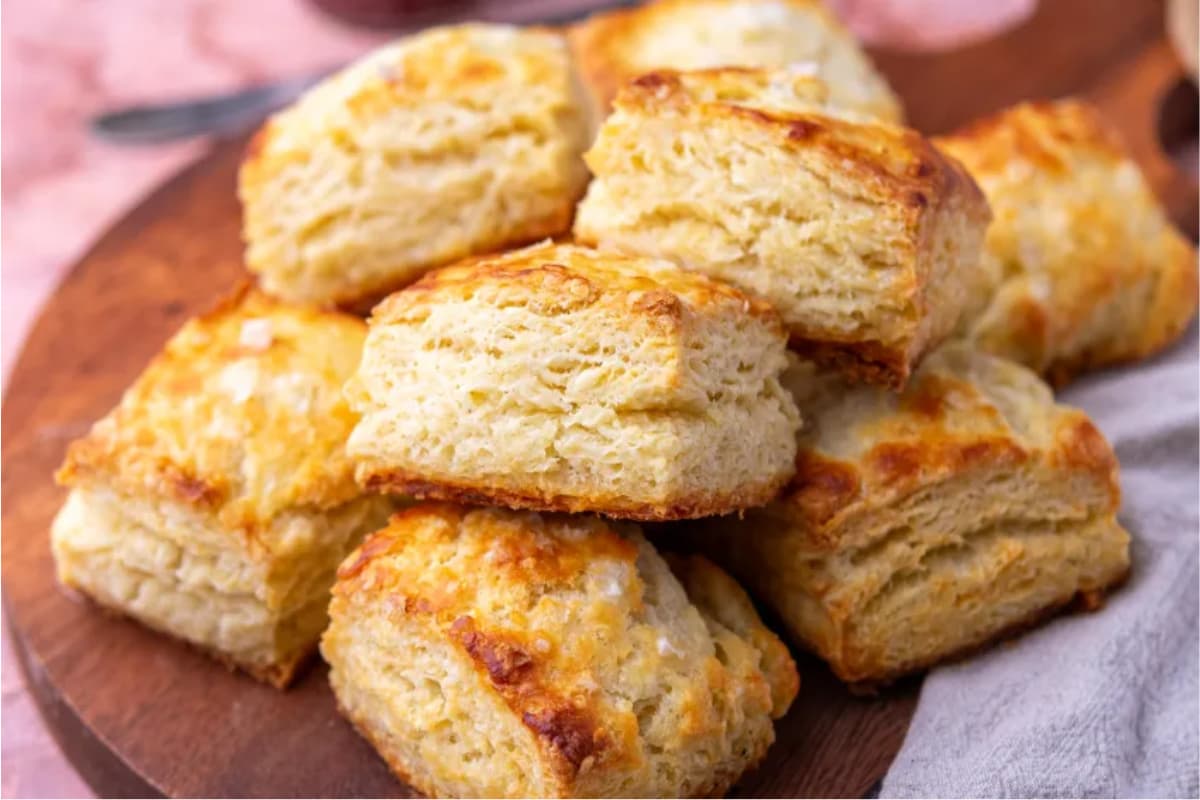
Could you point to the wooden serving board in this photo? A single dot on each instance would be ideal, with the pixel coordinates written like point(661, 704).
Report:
point(141, 715)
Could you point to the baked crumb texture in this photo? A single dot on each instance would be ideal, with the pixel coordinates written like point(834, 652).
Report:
point(860, 232)
point(1085, 269)
point(215, 502)
point(495, 653)
point(454, 141)
point(555, 378)
point(924, 525)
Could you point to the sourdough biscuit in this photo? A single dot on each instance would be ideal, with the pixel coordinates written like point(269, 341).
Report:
point(456, 141)
point(614, 47)
point(862, 235)
point(215, 502)
point(492, 653)
point(557, 378)
point(1088, 270)
point(924, 525)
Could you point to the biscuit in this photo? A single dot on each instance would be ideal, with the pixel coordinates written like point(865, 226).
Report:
point(924, 525)
point(556, 378)
point(215, 502)
point(455, 141)
point(1087, 269)
point(862, 235)
point(613, 48)
point(493, 653)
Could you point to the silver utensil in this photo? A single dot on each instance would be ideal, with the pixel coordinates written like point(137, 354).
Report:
point(228, 113)
point(237, 111)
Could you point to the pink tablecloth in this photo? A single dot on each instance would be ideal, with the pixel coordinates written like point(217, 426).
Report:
point(63, 61)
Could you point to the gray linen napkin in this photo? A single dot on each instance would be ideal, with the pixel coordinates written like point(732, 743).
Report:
point(1098, 704)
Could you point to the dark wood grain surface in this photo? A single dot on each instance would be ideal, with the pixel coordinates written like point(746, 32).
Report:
point(141, 715)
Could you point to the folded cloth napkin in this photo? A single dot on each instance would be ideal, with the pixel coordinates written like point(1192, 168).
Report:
point(1092, 705)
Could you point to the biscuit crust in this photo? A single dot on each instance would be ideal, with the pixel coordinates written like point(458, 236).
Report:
point(561, 277)
point(216, 500)
point(454, 141)
point(557, 378)
point(616, 46)
point(280, 674)
point(241, 415)
point(612, 505)
point(861, 233)
point(923, 526)
point(1086, 269)
point(559, 657)
point(1090, 600)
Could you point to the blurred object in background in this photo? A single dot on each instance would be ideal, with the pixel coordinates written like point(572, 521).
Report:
point(400, 15)
point(929, 25)
point(1179, 118)
point(899, 24)
point(238, 110)
point(1183, 17)
point(226, 113)
point(1180, 114)
point(391, 13)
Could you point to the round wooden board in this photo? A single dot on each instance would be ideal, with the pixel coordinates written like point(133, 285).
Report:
point(139, 714)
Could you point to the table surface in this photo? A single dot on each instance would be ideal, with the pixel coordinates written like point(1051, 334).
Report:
point(62, 62)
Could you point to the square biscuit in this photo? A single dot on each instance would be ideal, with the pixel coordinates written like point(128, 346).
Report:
point(556, 378)
point(924, 525)
point(215, 502)
point(451, 142)
point(862, 235)
point(614, 47)
point(493, 653)
point(1086, 268)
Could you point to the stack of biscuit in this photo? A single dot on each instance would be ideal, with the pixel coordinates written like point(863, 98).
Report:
point(540, 396)
point(804, 334)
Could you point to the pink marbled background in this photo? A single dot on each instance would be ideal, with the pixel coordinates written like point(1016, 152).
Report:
point(62, 61)
point(65, 60)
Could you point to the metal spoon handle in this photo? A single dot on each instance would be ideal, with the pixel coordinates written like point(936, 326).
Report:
point(191, 117)
point(227, 113)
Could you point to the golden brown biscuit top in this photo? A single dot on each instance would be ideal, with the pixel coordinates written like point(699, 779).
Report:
point(961, 409)
point(1077, 231)
point(571, 619)
point(1048, 135)
point(437, 74)
point(779, 91)
point(553, 279)
point(241, 414)
point(616, 46)
point(515, 557)
point(695, 34)
point(789, 107)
